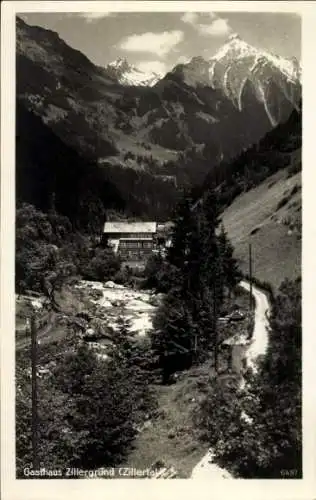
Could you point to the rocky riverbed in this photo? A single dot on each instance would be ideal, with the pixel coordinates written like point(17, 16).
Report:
point(115, 302)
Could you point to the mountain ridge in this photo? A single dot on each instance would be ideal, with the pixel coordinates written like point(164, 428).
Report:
point(237, 63)
point(128, 74)
point(145, 128)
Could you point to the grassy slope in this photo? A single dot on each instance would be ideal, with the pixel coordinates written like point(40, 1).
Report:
point(275, 238)
point(171, 436)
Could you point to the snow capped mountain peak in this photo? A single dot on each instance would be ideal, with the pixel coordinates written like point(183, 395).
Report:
point(236, 49)
point(238, 69)
point(238, 63)
point(119, 63)
point(130, 75)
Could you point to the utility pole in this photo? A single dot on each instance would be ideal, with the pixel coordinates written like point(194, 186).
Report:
point(34, 393)
point(250, 277)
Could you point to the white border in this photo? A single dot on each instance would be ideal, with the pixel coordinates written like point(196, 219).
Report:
point(58, 489)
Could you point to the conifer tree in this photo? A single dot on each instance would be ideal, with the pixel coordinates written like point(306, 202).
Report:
point(210, 272)
point(230, 272)
point(183, 226)
point(173, 335)
point(186, 322)
point(207, 222)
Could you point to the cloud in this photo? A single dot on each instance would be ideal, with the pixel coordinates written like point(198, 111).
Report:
point(190, 18)
point(92, 17)
point(195, 18)
point(219, 27)
point(156, 43)
point(152, 67)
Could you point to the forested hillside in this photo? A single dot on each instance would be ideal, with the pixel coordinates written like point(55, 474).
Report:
point(51, 173)
point(159, 127)
point(259, 194)
point(277, 150)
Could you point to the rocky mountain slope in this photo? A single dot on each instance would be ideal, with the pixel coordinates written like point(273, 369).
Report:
point(147, 128)
point(275, 81)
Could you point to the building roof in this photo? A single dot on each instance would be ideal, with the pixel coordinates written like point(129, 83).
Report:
point(130, 227)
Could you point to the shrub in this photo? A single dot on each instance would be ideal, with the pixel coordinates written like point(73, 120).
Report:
point(123, 276)
point(254, 230)
point(283, 202)
point(159, 274)
point(295, 189)
point(102, 266)
point(88, 409)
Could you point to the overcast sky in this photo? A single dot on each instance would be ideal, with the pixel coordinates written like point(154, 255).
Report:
point(158, 41)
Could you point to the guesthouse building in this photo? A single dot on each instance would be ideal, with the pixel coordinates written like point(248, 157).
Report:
point(136, 241)
point(132, 241)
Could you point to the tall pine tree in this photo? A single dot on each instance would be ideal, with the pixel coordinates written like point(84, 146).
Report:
point(230, 271)
point(186, 322)
point(182, 231)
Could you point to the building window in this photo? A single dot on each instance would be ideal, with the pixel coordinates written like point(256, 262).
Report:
point(137, 235)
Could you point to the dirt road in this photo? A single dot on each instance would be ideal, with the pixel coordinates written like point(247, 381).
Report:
point(206, 468)
point(260, 337)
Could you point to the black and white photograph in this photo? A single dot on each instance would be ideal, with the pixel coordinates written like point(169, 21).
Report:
point(158, 237)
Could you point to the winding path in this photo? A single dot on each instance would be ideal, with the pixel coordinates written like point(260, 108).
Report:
point(206, 468)
point(260, 337)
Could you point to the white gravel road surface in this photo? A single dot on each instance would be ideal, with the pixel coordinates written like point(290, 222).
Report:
point(206, 468)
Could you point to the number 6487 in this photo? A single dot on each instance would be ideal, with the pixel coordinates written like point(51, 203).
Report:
point(289, 472)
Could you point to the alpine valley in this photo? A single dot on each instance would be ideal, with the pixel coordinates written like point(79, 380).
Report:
point(158, 239)
point(157, 132)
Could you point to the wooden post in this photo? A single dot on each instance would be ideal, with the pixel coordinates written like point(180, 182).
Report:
point(250, 277)
point(195, 348)
point(34, 394)
point(230, 358)
point(215, 329)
